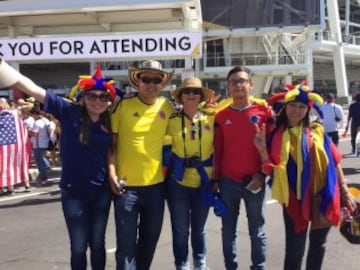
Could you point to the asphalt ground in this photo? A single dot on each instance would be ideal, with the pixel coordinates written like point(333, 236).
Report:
point(33, 234)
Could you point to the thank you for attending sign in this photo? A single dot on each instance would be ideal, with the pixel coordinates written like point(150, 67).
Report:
point(180, 44)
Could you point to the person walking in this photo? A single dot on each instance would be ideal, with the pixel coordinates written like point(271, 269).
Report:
point(192, 133)
point(139, 125)
point(238, 166)
point(332, 116)
point(40, 141)
point(86, 141)
point(353, 120)
point(307, 178)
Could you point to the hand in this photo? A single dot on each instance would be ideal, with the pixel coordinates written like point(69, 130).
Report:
point(260, 138)
point(214, 185)
point(256, 183)
point(117, 185)
point(212, 101)
point(348, 200)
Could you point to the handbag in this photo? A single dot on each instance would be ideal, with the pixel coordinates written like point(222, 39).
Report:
point(318, 220)
point(51, 145)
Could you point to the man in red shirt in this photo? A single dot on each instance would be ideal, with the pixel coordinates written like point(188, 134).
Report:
point(238, 165)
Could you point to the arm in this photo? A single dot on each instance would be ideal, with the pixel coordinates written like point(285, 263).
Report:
point(346, 197)
point(11, 78)
point(113, 178)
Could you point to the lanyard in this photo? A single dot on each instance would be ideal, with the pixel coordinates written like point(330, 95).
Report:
point(193, 132)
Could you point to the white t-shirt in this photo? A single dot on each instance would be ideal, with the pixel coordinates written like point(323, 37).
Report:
point(330, 111)
point(41, 131)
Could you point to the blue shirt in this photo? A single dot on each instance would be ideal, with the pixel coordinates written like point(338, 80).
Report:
point(354, 114)
point(84, 166)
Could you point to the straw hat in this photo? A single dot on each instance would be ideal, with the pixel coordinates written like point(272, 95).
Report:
point(148, 66)
point(192, 82)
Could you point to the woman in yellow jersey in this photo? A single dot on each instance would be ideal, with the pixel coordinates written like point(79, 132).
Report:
point(192, 134)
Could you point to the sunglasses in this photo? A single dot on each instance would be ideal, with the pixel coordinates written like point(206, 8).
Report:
point(194, 91)
point(149, 80)
point(93, 97)
point(239, 81)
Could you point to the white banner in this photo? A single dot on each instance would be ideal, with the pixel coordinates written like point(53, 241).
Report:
point(162, 45)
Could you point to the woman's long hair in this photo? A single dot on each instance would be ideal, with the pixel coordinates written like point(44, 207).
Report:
point(282, 119)
point(85, 130)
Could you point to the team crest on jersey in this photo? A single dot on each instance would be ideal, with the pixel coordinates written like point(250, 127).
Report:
point(207, 127)
point(136, 114)
point(254, 119)
point(162, 115)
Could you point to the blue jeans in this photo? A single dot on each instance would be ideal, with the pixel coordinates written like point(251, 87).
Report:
point(187, 209)
point(139, 214)
point(42, 162)
point(231, 193)
point(86, 221)
point(295, 246)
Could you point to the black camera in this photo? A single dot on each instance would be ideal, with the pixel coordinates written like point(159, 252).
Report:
point(193, 162)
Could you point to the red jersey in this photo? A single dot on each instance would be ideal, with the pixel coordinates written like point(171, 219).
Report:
point(235, 153)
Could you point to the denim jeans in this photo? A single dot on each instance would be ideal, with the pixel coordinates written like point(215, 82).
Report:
point(295, 246)
point(139, 214)
point(86, 221)
point(42, 162)
point(231, 193)
point(187, 210)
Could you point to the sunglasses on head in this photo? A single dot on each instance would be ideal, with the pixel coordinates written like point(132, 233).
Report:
point(92, 97)
point(194, 91)
point(149, 80)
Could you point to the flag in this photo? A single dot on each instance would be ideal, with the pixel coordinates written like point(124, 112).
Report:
point(13, 158)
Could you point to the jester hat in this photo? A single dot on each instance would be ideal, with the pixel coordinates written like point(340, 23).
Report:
point(96, 82)
point(298, 93)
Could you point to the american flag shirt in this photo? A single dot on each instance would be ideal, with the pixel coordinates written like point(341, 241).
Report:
point(13, 158)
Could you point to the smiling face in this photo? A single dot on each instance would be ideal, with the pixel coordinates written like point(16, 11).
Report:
point(96, 102)
point(296, 112)
point(150, 85)
point(191, 96)
point(239, 85)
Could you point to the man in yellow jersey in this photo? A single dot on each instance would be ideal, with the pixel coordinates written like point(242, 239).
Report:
point(139, 125)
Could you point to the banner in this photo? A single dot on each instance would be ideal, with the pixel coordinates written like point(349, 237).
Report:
point(114, 47)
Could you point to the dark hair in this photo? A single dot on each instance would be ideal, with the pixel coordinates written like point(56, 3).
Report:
point(239, 69)
point(281, 119)
point(357, 97)
point(85, 130)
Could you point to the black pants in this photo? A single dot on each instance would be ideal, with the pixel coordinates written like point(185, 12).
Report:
point(334, 135)
point(295, 246)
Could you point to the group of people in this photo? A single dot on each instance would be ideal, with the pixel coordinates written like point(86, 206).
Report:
point(25, 137)
point(219, 157)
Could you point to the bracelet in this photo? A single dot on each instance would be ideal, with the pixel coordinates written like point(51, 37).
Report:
point(267, 167)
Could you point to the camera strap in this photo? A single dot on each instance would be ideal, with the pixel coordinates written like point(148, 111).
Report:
point(193, 132)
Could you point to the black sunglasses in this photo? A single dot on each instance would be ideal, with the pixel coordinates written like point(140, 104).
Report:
point(93, 97)
point(194, 91)
point(149, 80)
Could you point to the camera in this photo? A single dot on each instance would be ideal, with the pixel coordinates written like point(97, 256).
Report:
point(193, 162)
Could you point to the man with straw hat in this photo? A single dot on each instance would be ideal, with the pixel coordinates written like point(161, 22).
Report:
point(139, 125)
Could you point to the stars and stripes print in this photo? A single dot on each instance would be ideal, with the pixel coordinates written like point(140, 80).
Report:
point(13, 158)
